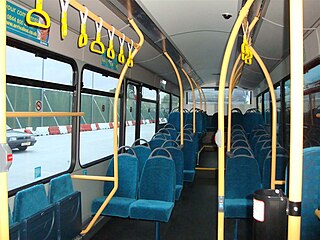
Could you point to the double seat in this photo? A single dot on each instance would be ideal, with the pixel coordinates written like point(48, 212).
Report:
point(149, 197)
point(38, 216)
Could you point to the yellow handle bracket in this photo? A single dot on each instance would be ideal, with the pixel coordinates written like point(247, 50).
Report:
point(98, 42)
point(38, 11)
point(83, 37)
point(64, 25)
point(121, 57)
point(110, 51)
point(130, 58)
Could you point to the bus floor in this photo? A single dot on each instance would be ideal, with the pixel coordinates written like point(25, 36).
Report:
point(194, 216)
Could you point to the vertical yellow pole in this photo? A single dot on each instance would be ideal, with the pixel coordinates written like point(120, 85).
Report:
point(274, 116)
point(4, 217)
point(193, 100)
point(296, 115)
point(220, 133)
point(115, 130)
point(181, 95)
point(231, 82)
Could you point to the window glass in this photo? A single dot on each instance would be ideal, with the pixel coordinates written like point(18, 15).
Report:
point(37, 154)
point(260, 103)
point(149, 93)
point(164, 107)
point(131, 114)
point(25, 64)
point(266, 105)
point(97, 81)
point(175, 101)
point(287, 114)
point(148, 117)
point(96, 126)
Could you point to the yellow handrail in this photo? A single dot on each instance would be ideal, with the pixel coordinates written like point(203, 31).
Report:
point(220, 134)
point(274, 116)
point(181, 95)
point(204, 98)
point(4, 217)
point(96, 18)
point(193, 100)
point(44, 114)
point(296, 114)
point(200, 95)
point(115, 179)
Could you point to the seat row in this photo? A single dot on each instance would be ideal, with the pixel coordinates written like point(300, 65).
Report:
point(37, 216)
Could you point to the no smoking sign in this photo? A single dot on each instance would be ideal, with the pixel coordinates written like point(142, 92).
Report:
point(38, 105)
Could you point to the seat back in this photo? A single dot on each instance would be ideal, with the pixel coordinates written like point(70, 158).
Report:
point(128, 176)
point(158, 180)
point(310, 229)
point(142, 152)
point(177, 157)
point(60, 187)
point(174, 119)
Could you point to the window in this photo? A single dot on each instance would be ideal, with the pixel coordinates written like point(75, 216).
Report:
point(148, 93)
point(96, 126)
point(259, 101)
point(148, 119)
point(38, 155)
point(266, 107)
point(27, 65)
point(164, 107)
point(175, 102)
point(131, 113)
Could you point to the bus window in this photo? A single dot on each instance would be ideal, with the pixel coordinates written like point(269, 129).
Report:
point(175, 101)
point(131, 113)
point(40, 149)
point(148, 118)
point(267, 112)
point(164, 107)
point(96, 126)
point(259, 103)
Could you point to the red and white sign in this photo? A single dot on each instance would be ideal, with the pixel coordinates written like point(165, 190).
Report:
point(38, 105)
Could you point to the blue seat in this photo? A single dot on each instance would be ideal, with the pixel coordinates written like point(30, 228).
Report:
point(32, 208)
point(15, 228)
point(127, 189)
point(174, 119)
point(240, 143)
point(177, 156)
point(68, 201)
point(237, 119)
point(142, 152)
point(251, 120)
point(310, 229)
point(242, 180)
point(189, 155)
point(243, 151)
point(281, 164)
point(156, 192)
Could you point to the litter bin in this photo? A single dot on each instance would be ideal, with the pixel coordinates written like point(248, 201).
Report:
point(269, 215)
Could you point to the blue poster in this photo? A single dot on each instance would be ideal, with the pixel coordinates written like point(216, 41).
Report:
point(111, 64)
point(16, 24)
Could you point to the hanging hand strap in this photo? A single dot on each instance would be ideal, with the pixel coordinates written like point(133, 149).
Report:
point(246, 54)
point(38, 11)
point(83, 37)
point(130, 58)
point(64, 24)
point(121, 57)
point(110, 51)
point(98, 39)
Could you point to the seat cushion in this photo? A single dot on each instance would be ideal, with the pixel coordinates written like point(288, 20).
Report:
point(178, 191)
point(238, 208)
point(117, 207)
point(188, 175)
point(152, 210)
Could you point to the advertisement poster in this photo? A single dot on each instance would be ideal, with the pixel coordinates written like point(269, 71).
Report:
point(16, 24)
point(111, 64)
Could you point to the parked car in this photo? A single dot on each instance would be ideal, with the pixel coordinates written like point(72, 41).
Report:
point(19, 140)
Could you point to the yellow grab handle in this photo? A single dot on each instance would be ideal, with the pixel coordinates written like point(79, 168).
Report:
point(99, 43)
point(83, 37)
point(64, 25)
point(121, 57)
point(110, 51)
point(38, 11)
point(130, 60)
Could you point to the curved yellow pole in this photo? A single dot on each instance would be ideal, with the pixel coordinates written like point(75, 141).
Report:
point(234, 75)
point(4, 217)
point(220, 133)
point(181, 95)
point(193, 98)
point(197, 86)
point(296, 115)
point(204, 98)
point(115, 130)
point(231, 82)
point(274, 116)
